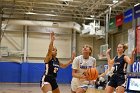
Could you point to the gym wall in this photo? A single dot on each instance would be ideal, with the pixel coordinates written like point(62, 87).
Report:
point(37, 45)
point(12, 72)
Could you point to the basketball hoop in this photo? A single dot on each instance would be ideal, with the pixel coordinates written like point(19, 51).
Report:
point(103, 49)
point(101, 56)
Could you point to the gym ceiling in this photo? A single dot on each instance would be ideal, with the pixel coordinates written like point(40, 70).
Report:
point(63, 10)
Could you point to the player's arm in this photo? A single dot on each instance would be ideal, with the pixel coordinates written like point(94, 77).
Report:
point(77, 75)
point(110, 62)
point(65, 65)
point(75, 67)
point(103, 74)
point(69, 62)
point(132, 59)
point(49, 54)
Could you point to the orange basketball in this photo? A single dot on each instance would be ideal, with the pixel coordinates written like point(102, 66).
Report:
point(91, 73)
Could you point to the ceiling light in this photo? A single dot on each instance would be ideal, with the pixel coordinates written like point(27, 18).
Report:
point(88, 18)
point(52, 11)
point(115, 1)
point(50, 14)
point(92, 16)
point(30, 13)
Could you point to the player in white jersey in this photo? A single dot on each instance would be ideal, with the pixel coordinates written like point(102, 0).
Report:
point(79, 65)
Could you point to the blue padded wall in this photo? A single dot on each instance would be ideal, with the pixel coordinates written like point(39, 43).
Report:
point(64, 75)
point(29, 72)
point(35, 71)
point(24, 72)
point(10, 72)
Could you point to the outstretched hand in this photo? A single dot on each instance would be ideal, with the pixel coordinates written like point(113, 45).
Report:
point(73, 56)
point(108, 51)
point(134, 51)
point(52, 36)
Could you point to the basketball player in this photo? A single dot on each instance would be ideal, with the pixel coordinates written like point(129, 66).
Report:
point(52, 64)
point(118, 79)
point(79, 65)
point(101, 80)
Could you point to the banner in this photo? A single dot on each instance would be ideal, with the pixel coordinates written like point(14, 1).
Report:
point(138, 40)
point(128, 16)
point(131, 40)
point(112, 23)
point(137, 11)
point(135, 67)
point(119, 20)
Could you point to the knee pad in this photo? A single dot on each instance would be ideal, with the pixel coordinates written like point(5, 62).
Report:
point(49, 92)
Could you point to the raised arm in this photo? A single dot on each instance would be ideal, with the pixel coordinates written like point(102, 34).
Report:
point(69, 62)
point(132, 59)
point(103, 74)
point(110, 62)
point(49, 54)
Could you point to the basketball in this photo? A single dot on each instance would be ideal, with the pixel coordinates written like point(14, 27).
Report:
point(91, 74)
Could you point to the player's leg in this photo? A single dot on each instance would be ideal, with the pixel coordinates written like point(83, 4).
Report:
point(109, 89)
point(56, 90)
point(46, 87)
point(120, 89)
point(80, 90)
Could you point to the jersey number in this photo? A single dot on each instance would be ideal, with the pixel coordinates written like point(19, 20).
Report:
point(116, 67)
point(55, 69)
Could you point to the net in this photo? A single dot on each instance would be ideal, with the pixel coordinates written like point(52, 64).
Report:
point(103, 49)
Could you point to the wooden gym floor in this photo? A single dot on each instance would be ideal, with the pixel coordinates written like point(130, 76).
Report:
point(28, 88)
point(35, 88)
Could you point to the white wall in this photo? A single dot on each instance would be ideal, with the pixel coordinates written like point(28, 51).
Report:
point(38, 45)
point(38, 40)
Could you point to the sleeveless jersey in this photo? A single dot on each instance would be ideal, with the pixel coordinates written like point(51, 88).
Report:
point(120, 65)
point(51, 68)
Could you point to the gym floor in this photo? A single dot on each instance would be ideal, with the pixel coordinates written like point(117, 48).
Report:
point(28, 88)
point(34, 88)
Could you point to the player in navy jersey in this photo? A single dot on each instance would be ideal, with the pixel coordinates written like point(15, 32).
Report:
point(118, 79)
point(52, 64)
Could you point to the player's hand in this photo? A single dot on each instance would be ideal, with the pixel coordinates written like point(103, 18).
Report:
point(108, 51)
point(73, 56)
point(52, 36)
point(134, 51)
point(83, 77)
